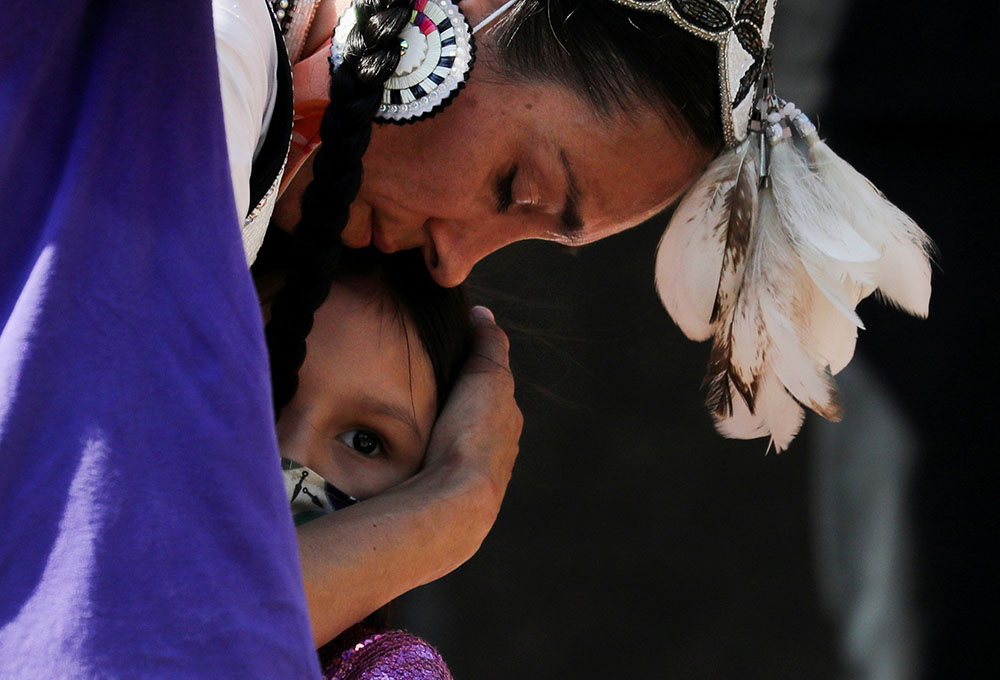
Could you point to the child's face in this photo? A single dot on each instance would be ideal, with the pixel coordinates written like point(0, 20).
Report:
point(365, 405)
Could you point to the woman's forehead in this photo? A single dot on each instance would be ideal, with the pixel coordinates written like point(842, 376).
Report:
point(625, 167)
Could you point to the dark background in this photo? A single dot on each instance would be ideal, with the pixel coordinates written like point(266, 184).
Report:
point(635, 542)
point(633, 539)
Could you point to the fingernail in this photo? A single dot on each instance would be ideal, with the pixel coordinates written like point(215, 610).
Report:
point(480, 313)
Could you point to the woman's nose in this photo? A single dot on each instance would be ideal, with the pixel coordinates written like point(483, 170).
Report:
point(454, 248)
point(449, 263)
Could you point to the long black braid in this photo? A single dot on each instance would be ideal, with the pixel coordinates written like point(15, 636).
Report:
point(371, 55)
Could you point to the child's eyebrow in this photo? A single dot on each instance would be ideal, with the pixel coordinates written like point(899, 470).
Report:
point(390, 410)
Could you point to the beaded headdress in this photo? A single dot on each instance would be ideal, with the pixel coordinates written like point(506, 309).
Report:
point(741, 30)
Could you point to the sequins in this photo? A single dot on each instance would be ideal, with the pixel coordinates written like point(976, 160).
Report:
point(283, 10)
point(370, 654)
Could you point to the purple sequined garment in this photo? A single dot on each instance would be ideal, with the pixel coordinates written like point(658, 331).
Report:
point(363, 653)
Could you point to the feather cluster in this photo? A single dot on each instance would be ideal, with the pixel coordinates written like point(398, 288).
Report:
point(768, 254)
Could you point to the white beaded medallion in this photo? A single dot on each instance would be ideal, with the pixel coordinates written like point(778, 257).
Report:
point(436, 55)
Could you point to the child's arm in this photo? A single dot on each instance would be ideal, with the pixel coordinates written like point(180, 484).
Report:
point(357, 559)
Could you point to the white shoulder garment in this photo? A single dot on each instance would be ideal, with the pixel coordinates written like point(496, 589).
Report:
point(248, 64)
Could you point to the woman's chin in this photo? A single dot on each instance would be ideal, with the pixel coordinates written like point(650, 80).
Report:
point(358, 232)
point(360, 238)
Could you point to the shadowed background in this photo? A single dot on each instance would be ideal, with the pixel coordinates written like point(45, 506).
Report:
point(632, 536)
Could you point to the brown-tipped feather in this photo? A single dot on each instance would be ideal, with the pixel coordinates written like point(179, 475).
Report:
point(741, 206)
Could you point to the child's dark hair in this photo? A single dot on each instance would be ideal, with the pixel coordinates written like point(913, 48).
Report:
point(439, 315)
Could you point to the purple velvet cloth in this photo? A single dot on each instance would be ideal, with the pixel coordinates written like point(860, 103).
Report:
point(144, 529)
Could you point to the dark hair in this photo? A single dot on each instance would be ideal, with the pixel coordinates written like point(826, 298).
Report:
point(614, 56)
point(611, 55)
point(439, 315)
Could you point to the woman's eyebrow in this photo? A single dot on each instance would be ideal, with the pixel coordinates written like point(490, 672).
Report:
point(377, 406)
point(570, 220)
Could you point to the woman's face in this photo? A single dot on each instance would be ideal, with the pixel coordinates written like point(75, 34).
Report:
point(506, 162)
point(366, 401)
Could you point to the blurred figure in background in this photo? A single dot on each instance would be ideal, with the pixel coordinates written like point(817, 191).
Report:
point(915, 113)
point(860, 474)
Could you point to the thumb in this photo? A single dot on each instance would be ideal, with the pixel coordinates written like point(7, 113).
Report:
point(490, 345)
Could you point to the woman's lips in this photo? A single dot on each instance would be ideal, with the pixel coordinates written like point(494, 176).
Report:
point(388, 233)
point(358, 233)
point(367, 235)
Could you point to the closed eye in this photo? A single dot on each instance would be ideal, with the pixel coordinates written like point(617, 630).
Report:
point(504, 190)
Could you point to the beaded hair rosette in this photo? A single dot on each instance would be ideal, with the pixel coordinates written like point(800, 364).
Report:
point(741, 29)
point(436, 55)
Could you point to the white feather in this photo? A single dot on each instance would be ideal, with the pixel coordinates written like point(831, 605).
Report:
point(903, 274)
point(738, 245)
point(779, 301)
point(776, 413)
point(772, 356)
point(747, 335)
point(808, 210)
point(797, 367)
point(740, 423)
point(832, 334)
point(779, 410)
point(844, 294)
point(743, 334)
point(690, 255)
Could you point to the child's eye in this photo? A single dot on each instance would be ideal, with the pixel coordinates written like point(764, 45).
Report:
point(365, 442)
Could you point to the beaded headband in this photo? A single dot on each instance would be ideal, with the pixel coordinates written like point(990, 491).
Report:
point(741, 30)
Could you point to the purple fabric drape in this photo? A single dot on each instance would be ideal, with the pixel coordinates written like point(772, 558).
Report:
point(144, 530)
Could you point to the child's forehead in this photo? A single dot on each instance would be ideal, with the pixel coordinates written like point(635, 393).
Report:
point(369, 326)
point(362, 348)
